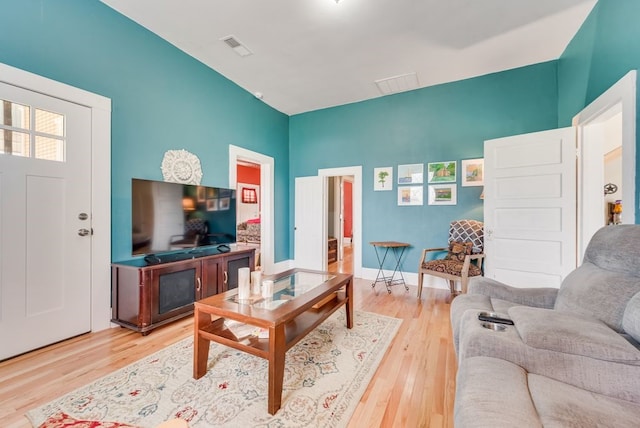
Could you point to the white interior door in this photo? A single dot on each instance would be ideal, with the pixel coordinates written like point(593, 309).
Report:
point(310, 228)
point(45, 197)
point(530, 208)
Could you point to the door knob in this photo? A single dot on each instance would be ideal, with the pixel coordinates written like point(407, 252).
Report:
point(84, 232)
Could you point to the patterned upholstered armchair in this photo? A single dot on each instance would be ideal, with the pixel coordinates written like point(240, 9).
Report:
point(463, 259)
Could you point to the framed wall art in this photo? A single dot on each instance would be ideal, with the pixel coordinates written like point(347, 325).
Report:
point(472, 172)
point(410, 195)
point(383, 178)
point(410, 174)
point(443, 194)
point(441, 172)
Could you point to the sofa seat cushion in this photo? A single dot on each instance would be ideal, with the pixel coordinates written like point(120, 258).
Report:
point(493, 393)
point(562, 405)
point(571, 334)
point(451, 267)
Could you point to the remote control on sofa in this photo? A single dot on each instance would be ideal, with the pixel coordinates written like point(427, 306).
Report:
point(498, 320)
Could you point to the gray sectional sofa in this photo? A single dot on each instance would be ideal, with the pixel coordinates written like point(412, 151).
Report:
point(572, 355)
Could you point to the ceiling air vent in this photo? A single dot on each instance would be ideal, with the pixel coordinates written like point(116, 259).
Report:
point(236, 45)
point(395, 84)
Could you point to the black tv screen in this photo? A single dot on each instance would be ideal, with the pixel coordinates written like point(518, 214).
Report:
point(172, 216)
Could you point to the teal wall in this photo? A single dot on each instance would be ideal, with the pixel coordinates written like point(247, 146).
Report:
point(603, 51)
point(440, 123)
point(162, 99)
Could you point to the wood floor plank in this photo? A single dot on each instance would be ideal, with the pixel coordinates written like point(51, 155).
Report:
point(414, 385)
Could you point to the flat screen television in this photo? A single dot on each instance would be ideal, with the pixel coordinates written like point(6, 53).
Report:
point(173, 216)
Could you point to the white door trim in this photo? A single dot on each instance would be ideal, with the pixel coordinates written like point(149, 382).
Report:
point(267, 251)
point(621, 97)
point(356, 172)
point(100, 178)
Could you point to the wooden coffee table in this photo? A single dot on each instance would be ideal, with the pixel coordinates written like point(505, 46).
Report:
point(302, 300)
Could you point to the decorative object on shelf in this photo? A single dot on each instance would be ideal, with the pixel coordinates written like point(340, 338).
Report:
point(410, 195)
point(610, 189)
point(244, 286)
point(383, 179)
point(410, 174)
point(617, 212)
point(443, 194)
point(472, 172)
point(441, 172)
point(181, 166)
point(256, 282)
point(267, 289)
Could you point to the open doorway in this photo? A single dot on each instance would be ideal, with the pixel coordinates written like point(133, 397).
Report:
point(264, 196)
point(248, 220)
point(340, 224)
point(355, 229)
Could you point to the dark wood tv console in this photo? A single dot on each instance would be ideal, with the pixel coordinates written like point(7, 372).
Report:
point(148, 295)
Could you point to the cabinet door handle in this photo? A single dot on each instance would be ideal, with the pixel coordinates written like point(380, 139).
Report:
point(226, 277)
point(199, 284)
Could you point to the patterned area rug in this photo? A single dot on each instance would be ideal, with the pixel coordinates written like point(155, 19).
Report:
point(326, 374)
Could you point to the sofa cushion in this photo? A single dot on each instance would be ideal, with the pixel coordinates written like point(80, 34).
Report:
point(459, 250)
point(491, 392)
point(571, 334)
point(597, 292)
point(615, 248)
point(631, 318)
point(562, 405)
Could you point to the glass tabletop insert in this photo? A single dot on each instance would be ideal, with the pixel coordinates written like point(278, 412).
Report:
point(285, 289)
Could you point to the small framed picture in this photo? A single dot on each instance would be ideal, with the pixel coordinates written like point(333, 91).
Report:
point(200, 193)
point(472, 172)
point(224, 204)
point(410, 195)
point(212, 192)
point(410, 174)
point(441, 172)
point(442, 194)
point(383, 178)
point(212, 204)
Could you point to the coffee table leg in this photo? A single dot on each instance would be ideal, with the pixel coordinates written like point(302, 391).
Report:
point(277, 353)
point(200, 345)
point(349, 305)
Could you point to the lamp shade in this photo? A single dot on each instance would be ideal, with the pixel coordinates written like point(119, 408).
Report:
point(188, 204)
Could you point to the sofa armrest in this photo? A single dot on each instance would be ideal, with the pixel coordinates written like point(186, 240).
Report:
point(537, 297)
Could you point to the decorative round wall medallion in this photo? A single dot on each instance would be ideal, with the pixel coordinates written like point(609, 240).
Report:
point(181, 166)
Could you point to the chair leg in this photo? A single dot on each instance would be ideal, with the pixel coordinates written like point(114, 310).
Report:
point(464, 281)
point(452, 287)
point(420, 279)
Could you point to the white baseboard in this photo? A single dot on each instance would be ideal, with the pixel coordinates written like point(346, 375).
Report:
point(411, 278)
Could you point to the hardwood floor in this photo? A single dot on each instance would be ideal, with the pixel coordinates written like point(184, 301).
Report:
point(413, 387)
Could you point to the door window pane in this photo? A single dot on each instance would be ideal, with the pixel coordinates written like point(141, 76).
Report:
point(49, 149)
point(49, 123)
point(14, 143)
point(14, 115)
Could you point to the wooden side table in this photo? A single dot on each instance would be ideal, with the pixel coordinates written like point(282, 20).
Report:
point(397, 248)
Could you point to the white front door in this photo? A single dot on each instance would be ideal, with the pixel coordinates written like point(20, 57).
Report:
point(310, 226)
point(530, 208)
point(45, 220)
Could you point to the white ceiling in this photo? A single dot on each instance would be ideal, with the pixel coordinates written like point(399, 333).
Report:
point(312, 54)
